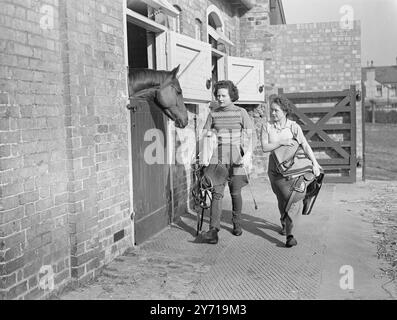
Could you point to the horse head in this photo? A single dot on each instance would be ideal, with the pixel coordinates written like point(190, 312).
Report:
point(169, 97)
point(164, 87)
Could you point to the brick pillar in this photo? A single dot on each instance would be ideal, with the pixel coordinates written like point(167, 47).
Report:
point(80, 123)
point(254, 31)
point(96, 136)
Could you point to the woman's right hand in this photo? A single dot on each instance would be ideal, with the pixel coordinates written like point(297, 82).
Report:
point(286, 142)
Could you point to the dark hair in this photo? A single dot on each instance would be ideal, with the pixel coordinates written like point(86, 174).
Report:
point(229, 85)
point(283, 102)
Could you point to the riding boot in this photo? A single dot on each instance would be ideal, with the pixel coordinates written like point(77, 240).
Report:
point(283, 230)
point(237, 204)
point(237, 231)
point(289, 225)
point(291, 241)
point(211, 236)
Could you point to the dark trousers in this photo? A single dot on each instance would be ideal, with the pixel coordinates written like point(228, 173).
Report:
point(281, 188)
point(236, 181)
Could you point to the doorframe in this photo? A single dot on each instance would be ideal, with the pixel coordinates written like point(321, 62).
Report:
point(162, 63)
point(129, 133)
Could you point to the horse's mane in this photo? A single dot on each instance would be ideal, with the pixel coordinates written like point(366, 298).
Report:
point(140, 79)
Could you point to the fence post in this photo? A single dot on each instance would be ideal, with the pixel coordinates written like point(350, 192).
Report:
point(353, 151)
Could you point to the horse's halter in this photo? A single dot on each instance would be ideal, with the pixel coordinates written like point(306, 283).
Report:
point(167, 84)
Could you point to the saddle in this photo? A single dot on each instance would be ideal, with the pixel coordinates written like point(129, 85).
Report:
point(291, 161)
point(312, 191)
point(216, 173)
point(207, 178)
point(293, 164)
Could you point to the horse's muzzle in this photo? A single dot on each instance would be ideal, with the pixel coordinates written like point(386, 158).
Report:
point(181, 123)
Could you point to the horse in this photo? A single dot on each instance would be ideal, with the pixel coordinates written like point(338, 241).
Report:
point(161, 86)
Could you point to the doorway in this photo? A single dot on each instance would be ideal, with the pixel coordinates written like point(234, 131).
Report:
point(150, 179)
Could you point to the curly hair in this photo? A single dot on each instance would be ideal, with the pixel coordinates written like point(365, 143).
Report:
point(227, 84)
point(283, 102)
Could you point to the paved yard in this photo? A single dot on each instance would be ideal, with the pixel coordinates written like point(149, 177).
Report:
point(347, 234)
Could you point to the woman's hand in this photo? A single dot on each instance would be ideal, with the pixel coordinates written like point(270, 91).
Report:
point(317, 169)
point(286, 142)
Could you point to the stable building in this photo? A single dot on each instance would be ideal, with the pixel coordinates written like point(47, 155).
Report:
point(75, 192)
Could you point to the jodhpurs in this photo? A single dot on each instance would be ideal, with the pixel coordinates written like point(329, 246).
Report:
point(281, 187)
point(235, 182)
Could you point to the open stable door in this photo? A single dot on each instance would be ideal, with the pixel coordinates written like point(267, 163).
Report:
point(150, 173)
point(194, 58)
point(249, 77)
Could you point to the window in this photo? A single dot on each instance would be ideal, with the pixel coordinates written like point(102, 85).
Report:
point(393, 90)
point(215, 23)
point(378, 91)
point(177, 21)
point(198, 29)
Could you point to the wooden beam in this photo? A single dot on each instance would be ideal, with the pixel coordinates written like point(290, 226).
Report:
point(336, 126)
point(144, 22)
point(321, 109)
point(317, 95)
point(322, 144)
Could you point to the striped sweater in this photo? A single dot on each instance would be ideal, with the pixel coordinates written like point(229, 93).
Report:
point(233, 128)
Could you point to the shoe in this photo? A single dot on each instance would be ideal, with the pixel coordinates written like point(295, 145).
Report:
point(283, 231)
point(237, 231)
point(291, 241)
point(211, 236)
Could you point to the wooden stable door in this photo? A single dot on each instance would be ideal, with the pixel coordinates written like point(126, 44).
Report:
point(248, 75)
point(194, 58)
point(150, 171)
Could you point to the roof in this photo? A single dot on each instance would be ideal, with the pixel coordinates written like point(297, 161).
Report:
point(384, 75)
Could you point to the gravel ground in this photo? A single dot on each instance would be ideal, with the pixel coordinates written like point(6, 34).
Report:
point(381, 155)
point(381, 211)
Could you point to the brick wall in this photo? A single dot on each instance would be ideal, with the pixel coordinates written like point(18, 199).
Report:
point(315, 57)
point(64, 147)
point(254, 31)
point(33, 161)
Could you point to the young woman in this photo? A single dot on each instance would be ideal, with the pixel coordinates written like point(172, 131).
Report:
point(280, 131)
point(233, 128)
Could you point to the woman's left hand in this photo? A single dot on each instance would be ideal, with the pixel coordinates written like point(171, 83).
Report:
point(317, 169)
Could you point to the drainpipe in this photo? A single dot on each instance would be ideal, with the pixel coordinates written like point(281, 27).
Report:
point(171, 145)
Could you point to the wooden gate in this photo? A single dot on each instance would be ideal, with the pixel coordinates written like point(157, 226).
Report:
point(150, 170)
point(328, 120)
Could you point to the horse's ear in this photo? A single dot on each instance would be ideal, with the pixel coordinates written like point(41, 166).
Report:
point(175, 71)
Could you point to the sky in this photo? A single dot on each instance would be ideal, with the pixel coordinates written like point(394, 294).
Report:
point(378, 23)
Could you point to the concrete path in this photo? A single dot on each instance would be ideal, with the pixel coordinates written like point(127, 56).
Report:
point(336, 256)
